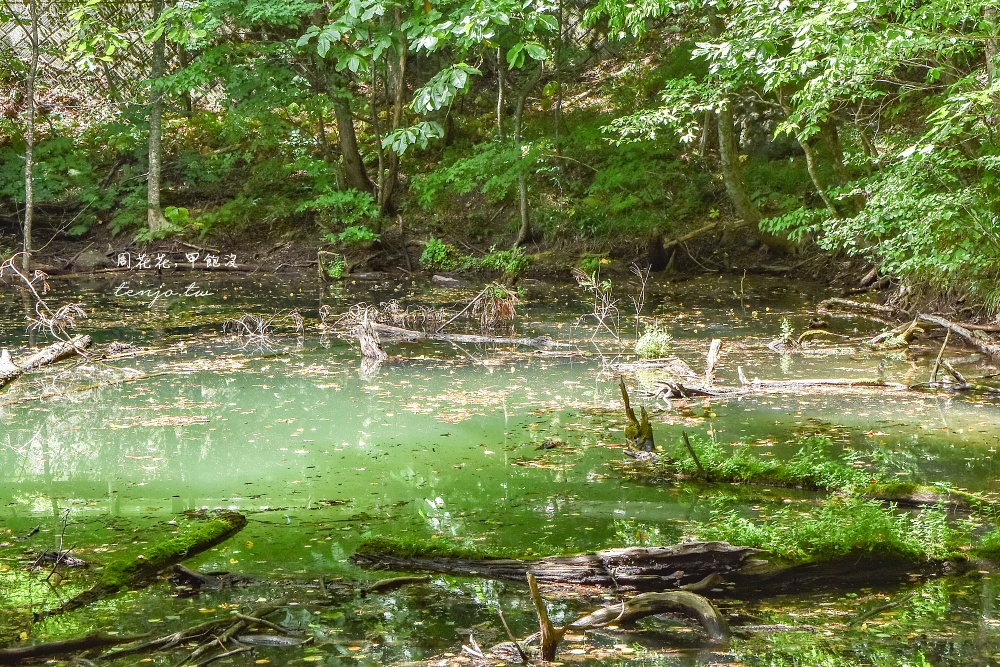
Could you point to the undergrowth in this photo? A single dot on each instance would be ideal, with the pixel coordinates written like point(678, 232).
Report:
point(843, 527)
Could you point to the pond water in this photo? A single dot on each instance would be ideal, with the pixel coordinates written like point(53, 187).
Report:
point(479, 446)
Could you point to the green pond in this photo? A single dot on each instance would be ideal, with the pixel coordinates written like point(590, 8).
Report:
point(485, 446)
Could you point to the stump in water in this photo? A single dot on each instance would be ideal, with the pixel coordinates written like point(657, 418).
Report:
point(638, 434)
point(371, 347)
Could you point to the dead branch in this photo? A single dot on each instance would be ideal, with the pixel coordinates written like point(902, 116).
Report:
point(408, 334)
point(685, 603)
point(989, 349)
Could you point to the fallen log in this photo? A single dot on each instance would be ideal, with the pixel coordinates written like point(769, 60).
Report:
point(657, 569)
point(140, 570)
point(408, 334)
point(18, 654)
point(632, 568)
point(873, 311)
point(10, 370)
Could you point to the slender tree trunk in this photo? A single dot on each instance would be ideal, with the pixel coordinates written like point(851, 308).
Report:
point(399, 97)
point(524, 233)
point(812, 167)
point(154, 213)
point(355, 174)
point(29, 140)
point(831, 135)
point(379, 150)
point(732, 171)
point(992, 50)
point(500, 99)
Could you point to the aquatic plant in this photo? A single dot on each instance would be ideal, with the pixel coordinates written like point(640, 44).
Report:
point(654, 343)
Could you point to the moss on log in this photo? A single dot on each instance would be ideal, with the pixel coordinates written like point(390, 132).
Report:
point(138, 571)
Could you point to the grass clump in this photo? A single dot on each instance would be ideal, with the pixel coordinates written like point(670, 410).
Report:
point(810, 468)
point(844, 527)
point(654, 343)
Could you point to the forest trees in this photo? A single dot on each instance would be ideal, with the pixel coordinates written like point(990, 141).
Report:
point(327, 114)
point(891, 103)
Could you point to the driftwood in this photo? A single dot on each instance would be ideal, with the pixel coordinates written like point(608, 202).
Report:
point(139, 571)
point(10, 370)
point(399, 333)
point(19, 654)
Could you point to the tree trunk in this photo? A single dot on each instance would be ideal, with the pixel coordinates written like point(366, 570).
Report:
point(500, 99)
point(831, 135)
point(355, 175)
point(524, 233)
point(154, 213)
point(139, 571)
point(391, 181)
point(811, 167)
point(732, 172)
point(992, 49)
point(29, 139)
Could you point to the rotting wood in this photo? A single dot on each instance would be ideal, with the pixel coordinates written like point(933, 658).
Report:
point(371, 346)
point(691, 235)
point(551, 635)
point(408, 334)
point(712, 361)
point(836, 305)
point(10, 370)
point(139, 571)
point(18, 654)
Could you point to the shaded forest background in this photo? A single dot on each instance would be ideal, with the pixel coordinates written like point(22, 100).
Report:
point(497, 132)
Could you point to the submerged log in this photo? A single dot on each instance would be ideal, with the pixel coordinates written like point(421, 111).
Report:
point(10, 370)
point(408, 334)
point(139, 571)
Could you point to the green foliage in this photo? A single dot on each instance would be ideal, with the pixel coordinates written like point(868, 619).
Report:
point(591, 264)
point(654, 343)
point(988, 546)
point(848, 527)
point(334, 267)
point(509, 263)
point(438, 255)
point(353, 235)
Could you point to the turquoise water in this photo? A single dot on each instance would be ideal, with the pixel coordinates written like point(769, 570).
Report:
point(442, 442)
